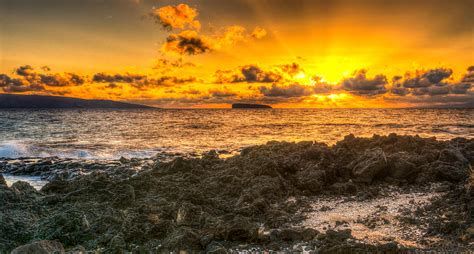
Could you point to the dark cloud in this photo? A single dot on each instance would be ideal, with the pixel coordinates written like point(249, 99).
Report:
point(437, 75)
point(187, 43)
point(28, 79)
point(24, 70)
point(248, 73)
point(291, 69)
point(141, 81)
point(322, 87)
point(426, 78)
point(119, 78)
point(461, 88)
point(469, 77)
point(222, 94)
point(165, 65)
point(360, 84)
point(294, 90)
point(432, 82)
point(66, 79)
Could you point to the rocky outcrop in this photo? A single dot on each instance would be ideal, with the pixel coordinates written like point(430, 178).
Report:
point(209, 203)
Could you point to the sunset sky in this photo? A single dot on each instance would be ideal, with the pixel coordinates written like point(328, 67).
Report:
point(210, 53)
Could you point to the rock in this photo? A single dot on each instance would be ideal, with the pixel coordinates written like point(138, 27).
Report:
point(21, 187)
point(452, 156)
point(118, 244)
point(311, 180)
point(124, 160)
point(40, 247)
point(344, 188)
point(77, 250)
point(450, 172)
point(3, 183)
point(215, 248)
point(400, 167)
point(369, 165)
point(293, 234)
point(125, 195)
point(338, 235)
point(188, 215)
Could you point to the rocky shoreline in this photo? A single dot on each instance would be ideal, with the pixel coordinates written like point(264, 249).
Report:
point(274, 197)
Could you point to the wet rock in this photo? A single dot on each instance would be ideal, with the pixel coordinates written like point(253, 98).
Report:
point(369, 165)
point(40, 247)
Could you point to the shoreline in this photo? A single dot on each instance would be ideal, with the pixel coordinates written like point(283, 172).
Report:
point(261, 199)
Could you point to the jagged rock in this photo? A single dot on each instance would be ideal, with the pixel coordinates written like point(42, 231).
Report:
point(370, 164)
point(3, 183)
point(40, 247)
point(21, 187)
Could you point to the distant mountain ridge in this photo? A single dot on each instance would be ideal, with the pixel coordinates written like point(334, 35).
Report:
point(41, 101)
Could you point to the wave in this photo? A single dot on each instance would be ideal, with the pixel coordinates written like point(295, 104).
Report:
point(22, 149)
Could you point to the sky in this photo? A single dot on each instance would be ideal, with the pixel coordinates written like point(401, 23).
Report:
point(211, 53)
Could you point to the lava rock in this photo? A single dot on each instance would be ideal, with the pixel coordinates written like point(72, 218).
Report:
point(40, 247)
point(369, 165)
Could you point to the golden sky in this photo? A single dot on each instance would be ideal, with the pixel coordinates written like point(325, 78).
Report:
point(210, 53)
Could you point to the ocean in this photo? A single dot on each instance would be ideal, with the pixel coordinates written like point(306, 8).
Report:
point(110, 134)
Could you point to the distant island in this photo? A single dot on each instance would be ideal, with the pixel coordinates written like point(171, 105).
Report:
point(40, 101)
point(251, 106)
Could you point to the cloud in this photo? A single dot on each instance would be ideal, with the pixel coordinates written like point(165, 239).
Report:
point(427, 78)
point(293, 90)
point(469, 77)
point(164, 65)
point(292, 69)
point(360, 84)
point(222, 93)
point(258, 33)
point(176, 17)
point(191, 42)
point(322, 87)
point(248, 73)
point(434, 82)
point(141, 82)
point(461, 88)
point(28, 79)
point(187, 42)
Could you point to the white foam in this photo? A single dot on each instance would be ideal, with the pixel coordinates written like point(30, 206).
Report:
point(14, 149)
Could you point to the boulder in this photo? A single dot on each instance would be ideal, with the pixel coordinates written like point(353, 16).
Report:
point(40, 247)
point(369, 165)
point(400, 167)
